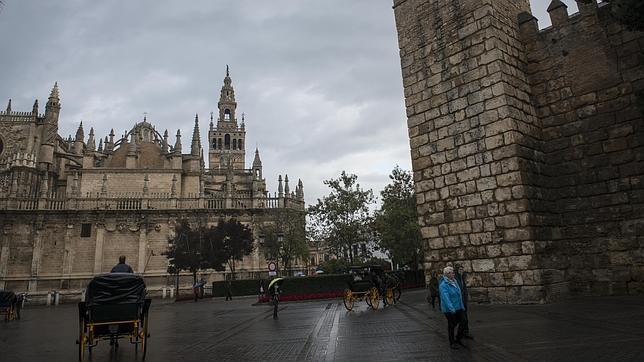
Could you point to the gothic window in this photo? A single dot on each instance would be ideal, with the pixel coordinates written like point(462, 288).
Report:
point(1, 146)
point(219, 143)
point(234, 144)
point(86, 230)
point(239, 144)
point(214, 143)
point(227, 114)
point(227, 141)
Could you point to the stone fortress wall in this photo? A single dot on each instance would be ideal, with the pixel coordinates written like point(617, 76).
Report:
point(526, 146)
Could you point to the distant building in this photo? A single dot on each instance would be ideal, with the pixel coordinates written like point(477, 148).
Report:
point(70, 207)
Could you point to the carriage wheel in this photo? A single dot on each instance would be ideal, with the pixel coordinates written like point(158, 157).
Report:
point(348, 299)
point(81, 340)
point(367, 298)
point(397, 293)
point(389, 296)
point(10, 314)
point(374, 298)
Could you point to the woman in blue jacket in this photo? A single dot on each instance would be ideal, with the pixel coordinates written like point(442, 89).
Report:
point(452, 306)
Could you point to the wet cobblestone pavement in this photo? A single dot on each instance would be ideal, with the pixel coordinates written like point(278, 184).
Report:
point(606, 328)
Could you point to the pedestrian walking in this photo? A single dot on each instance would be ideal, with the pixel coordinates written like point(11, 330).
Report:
point(460, 276)
point(275, 297)
point(198, 288)
point(433, 290)
point(261, 291)
point(229, 293)
point(452, 306)
point(121, 267)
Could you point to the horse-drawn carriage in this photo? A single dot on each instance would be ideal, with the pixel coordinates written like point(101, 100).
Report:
point(370, 283)
point(115, 307)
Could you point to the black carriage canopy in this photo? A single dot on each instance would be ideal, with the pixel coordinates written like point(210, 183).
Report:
point(7, 298)
point(115, 288)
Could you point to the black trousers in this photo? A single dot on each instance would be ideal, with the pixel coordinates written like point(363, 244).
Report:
point(465, 322)
point(455, 320)
point(275, 303)
point(433, 299)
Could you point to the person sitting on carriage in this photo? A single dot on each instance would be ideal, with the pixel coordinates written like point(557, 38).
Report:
point(121, 267)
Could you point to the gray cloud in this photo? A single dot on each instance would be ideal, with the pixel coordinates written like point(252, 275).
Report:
point(319, 81)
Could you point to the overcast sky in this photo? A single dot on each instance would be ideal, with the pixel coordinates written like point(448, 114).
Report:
point(319, 80)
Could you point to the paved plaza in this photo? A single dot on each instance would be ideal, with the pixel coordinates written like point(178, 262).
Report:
point(604, 328)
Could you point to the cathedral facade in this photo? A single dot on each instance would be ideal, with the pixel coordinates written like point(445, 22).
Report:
point(70, 207)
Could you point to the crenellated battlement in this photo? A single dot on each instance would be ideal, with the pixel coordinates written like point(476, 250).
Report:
point(589, 14)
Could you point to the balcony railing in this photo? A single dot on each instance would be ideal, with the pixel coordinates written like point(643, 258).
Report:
point(139, 202)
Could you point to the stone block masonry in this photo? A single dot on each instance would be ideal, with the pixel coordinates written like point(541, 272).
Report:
point(526, 146)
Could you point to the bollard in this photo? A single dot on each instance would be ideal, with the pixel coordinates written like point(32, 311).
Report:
point(56, 298)
point(163, 291)
point(171, 292)
point(48, 298)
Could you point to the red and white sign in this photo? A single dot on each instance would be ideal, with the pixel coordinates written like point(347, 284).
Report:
point(272, 269)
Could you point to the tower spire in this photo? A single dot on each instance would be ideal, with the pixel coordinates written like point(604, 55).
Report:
point(54, 92)
point(227, 104)
point(164, 146)
point(257, 165)
point(177, 143)
point(196, 138)
point(9, 106)
point(91, 142)
point(52, 110)
point(257, 162)
point(80, 134)
point(300, 189)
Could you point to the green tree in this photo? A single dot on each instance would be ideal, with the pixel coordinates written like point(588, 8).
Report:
point(335, 266)
point(396, 222)
point(342, 219)
point(236, 241)
point(185, 251)
point(285, 239)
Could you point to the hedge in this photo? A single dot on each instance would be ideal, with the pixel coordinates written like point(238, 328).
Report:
point(312, 287)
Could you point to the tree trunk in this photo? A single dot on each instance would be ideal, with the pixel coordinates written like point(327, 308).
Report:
point(232, 269)
point(177, 286)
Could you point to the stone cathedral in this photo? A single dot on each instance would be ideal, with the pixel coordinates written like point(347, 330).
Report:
point(526, 145)
point(70, 207)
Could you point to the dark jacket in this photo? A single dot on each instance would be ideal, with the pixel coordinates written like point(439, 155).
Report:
point(122, 268)
point(433, 287)
point(460, 279)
